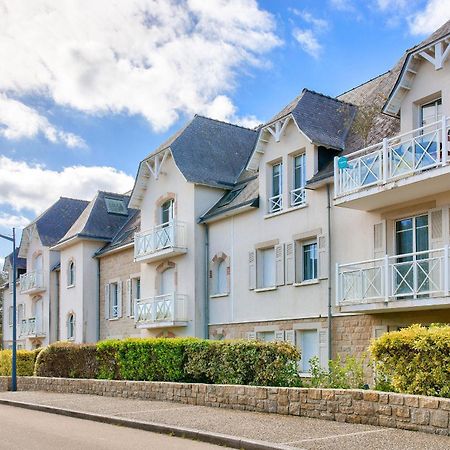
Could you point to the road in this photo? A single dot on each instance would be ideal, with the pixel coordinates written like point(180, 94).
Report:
point(22, 429)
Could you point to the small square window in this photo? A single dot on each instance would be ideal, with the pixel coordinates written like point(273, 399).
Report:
point(116, 206)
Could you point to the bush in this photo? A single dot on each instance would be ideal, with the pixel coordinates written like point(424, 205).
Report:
point(179, 359)
point(415, 360)
point(25, 362)
point(67, 360)
point(346, 374)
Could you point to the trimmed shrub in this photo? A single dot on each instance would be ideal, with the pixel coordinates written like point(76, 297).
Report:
point(414, 360)
point(178, 359)
point(25, 362)
point(67, 360)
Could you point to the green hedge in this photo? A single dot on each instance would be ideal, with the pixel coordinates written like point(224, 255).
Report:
point(414, 360)
point(179, 359)
point(25, 362)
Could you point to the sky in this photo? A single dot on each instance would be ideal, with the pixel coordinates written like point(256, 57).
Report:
point(89, 88)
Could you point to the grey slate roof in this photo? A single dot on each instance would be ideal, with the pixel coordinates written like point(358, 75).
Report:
point(325, 120)
point(21, 263)
point(53, 223)
point(211, 152)
point(96, 222)
point(125, 235)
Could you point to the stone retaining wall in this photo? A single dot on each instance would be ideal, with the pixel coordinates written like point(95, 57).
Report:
point(409, 412)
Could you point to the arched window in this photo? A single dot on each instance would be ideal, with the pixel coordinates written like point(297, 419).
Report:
point(71, 326)
point(71, 274)
point(219, 274)
point(221, 279)
point(37, 263)
point(167, 212)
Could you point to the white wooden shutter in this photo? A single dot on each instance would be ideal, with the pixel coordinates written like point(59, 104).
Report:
point(279, 335)
point(435, 223)
point(379, 239)
point(279, 264)
point(322, 262)
point(323, 348)
point(252, 269)
point(107, 301)
point(129, 298)
point(289, 336)
point(119, 299)
point(290, 262)
point(251, 336)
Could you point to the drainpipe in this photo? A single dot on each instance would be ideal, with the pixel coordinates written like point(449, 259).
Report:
point(329, 268)
point(98, 301)
point(206, 280)
point(58, 299)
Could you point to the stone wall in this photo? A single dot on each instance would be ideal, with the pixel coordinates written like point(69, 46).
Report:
point(409, 412)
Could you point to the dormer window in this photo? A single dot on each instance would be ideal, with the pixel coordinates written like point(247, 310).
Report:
point(116, 206)
point(275, 199)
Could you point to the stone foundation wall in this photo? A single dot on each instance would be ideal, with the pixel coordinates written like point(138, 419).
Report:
point(409, 412)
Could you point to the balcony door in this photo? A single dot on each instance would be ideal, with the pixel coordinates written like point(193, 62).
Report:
point(167, 281)
point(166, 231)
point(38, 312)
point(410, 272)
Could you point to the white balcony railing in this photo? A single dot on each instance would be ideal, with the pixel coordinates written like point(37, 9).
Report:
point(410, 276)
point(30, 327)
point(31, 281)
point(298, 196)
point(275, 203)
point(171, 235)
point(165, 308)
point(395, 158)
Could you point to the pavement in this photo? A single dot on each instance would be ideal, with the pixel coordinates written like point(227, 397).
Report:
point(233, 428)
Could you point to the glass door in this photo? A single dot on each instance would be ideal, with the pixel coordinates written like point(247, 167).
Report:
point(410, 272)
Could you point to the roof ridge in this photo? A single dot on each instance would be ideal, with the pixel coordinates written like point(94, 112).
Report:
point(71, 198)
point(226, 123)
point(113, 193)
point(362, 84)
point(328, 97)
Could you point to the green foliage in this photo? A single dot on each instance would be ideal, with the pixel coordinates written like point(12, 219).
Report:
point(179, 359)
point(346, 374)
point(67, 360)
point(25, 362)
point(414, 360)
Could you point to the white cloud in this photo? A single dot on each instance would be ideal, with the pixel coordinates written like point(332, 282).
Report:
point(11, 220)
point(308, 41)
point(155, 58)
point(319, 24)
point(393, 4)
point(342, 5)
point(435, 14)
point(34, 187)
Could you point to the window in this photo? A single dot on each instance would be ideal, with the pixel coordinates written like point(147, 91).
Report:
point(431, 112)
point(114, 300)
point(275, 200)
point(20, 313)
point(221, 286)
point(167, 212)
point(299, 181)
point(116, 206)
point(310, 261)
point(266, 267)
point(10, 316)
point(266, 336)
point(229, 197)
point(135, 293)
point(71, 274)
point(309, 348)
point(71, 326)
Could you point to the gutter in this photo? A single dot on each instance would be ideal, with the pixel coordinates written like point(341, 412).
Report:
point(97, 307)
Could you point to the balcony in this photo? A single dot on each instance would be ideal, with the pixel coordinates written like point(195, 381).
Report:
point(399, 169)
point(164, 240)
point(32, 283)
point(168, 310)
point(31, 328)
point(275, 204)
point(411, 281)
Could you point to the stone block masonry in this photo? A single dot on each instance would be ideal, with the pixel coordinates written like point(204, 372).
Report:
point(408, 412)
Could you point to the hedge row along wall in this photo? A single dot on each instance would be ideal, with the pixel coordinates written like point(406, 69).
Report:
point(414, 360)
point(26, 360)
point(180, 360)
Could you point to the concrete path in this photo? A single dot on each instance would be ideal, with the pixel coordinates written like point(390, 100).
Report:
point(271, 430)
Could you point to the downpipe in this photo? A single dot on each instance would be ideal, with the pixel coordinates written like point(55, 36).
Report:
point(206, 307)
point(329, 316)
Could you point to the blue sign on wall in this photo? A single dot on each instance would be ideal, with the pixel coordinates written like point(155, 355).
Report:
point(343, 162)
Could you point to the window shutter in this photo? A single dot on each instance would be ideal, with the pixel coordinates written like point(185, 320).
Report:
point(323, 348)
point(251, 336)
point(119, 299)
point(129, 297)
point(322, 256)
point(279, 264)
point(252, 269)
point(436, 228)
point(379, 239)
point(279, 335)
point(107, 301)
point(290, 262)
point(289, 336)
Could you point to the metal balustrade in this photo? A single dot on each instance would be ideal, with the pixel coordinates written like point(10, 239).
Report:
point(171, 235)
point(298, 196)
point(31, 327)
point(31, 281)
point(161, 309)
point(395, 158)
point(408, 276)
point(275, 203)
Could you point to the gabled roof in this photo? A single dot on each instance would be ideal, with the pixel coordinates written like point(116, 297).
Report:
point(21, 263)
point(125, 235)
point(97, 221)
point(206, 151)
point(53, 223)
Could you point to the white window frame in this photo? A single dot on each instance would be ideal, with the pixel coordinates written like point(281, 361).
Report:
point(133, 297)
point(303, 369)
point(300, 261)
point(71, 274)
point(435, 103)
point(170, 212)
point(297, 194)
point(113, 289)
point(70, 326)
point(276, 200)
point(261, 334)
point(261, 265)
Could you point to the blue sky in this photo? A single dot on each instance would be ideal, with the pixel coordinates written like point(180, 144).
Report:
point(81, 107)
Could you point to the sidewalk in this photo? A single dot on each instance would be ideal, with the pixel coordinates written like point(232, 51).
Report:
point(234, 428)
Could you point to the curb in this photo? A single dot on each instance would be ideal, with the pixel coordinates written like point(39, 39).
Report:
point(188, 433)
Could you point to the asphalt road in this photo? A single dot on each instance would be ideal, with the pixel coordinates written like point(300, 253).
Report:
point(22, 429)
